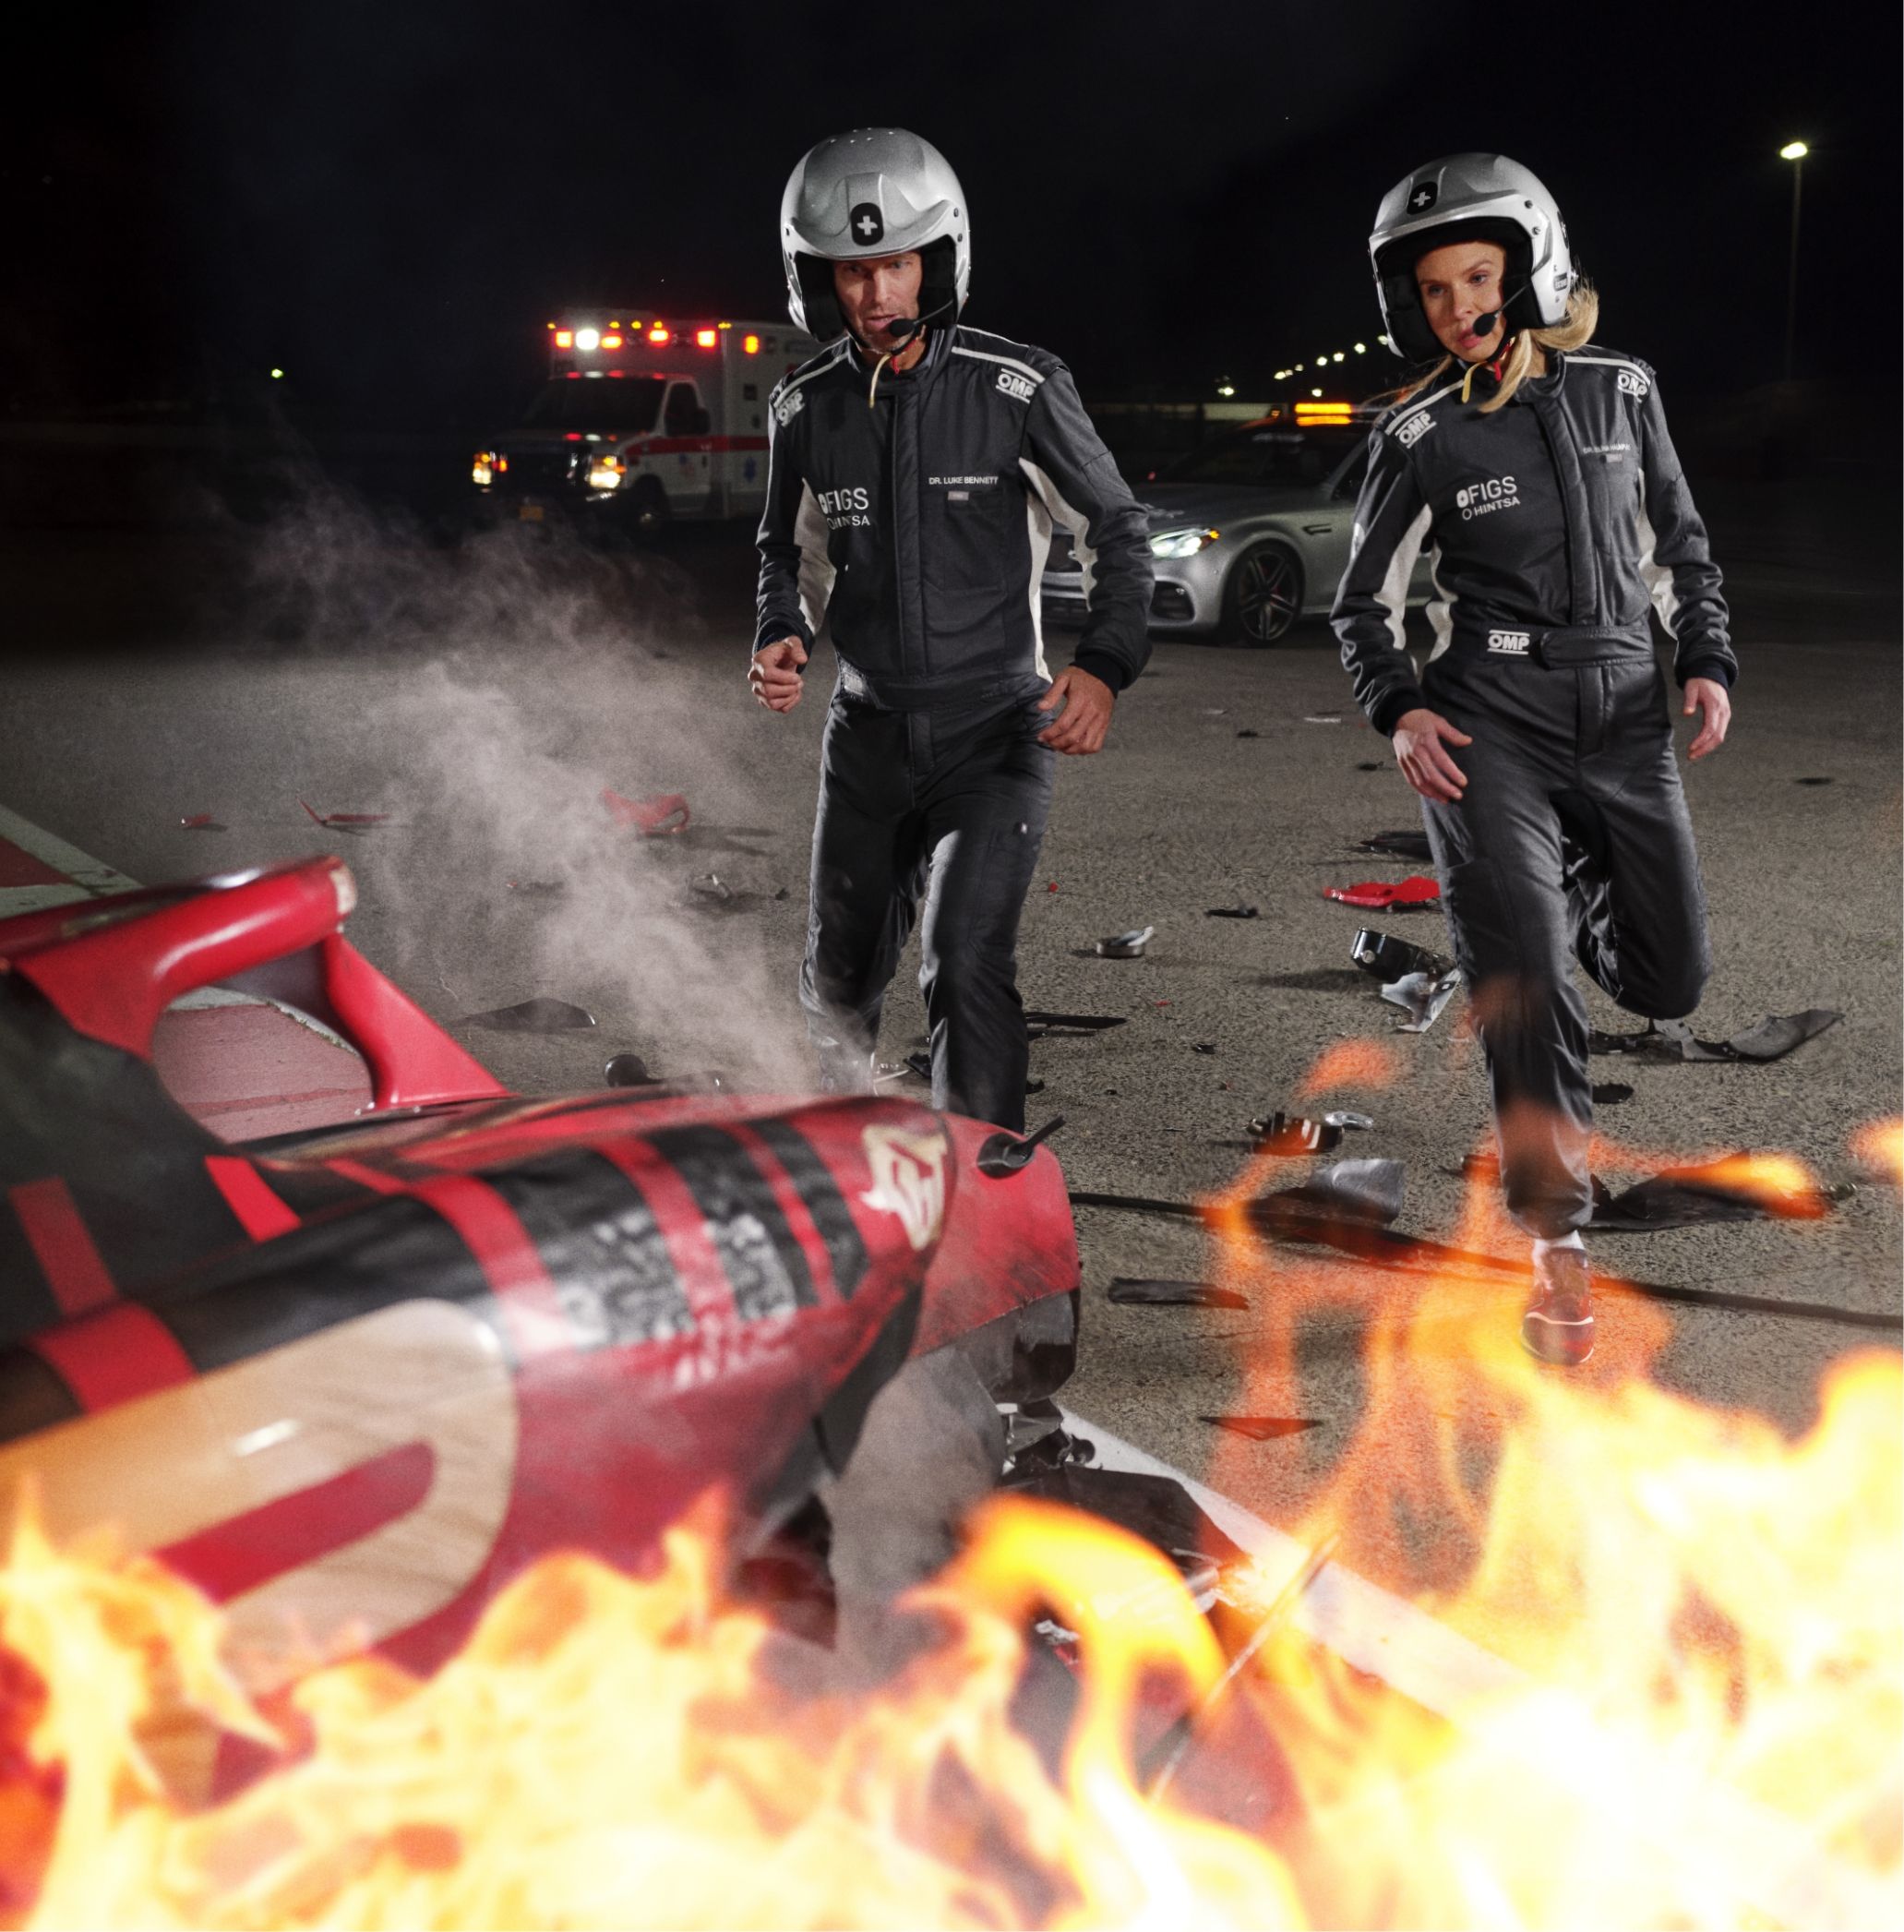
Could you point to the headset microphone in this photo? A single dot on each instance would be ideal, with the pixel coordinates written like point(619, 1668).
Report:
point(908, 326)
point(1484, 325)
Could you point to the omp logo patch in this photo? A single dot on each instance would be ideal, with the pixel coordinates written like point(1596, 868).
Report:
point(1633, 383)
point(1414, 429)
point(1479, 499)
point(1510, 644)
point(1019, 387)
point(908, 1181)
point(789, 406)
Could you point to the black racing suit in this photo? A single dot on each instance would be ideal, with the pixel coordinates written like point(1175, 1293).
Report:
point(1554, 527)
point(920, 523)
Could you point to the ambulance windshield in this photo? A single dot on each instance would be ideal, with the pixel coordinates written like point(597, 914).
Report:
point(628, 403)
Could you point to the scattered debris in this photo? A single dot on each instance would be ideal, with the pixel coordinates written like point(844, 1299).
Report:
point(627, 1070)
point(1052, 885)
point(201, 822)
point(1385, 957)
point(1323, 717)
point(710, 886)
point(1811, 781)
point(1609, 1093)
point(1002, 1155)
point(1247, 733)
point(1231, 912)
point(1771, 1038)
point(347, 821)
point(1126, 945)
point(1398, 845)
point(920, 1064)
point(1371, 765)
point(1726, 1190)
point(1157, 1508)
point(1204, 1046)
point(1386, 895)
point(1348, 1117)
point(537, 1015)
point(1423, 999)
point(1033, 1087)
point(658, 817)
point(1134, 1293)
point(1263, 1428)
point(1368, 1193)
point(1293, 1134)
point(1214, 711)
point(537, 888)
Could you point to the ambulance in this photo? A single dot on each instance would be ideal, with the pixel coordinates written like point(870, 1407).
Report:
point(645, 419)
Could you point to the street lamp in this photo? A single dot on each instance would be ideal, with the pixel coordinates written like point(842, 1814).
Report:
point(1795, 152)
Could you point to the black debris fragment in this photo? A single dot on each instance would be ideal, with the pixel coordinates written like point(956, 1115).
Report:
point(1672, 1041)
point(627, 1070)
point(1691, 1197)
point(1136, 1292)
point(1397, 845)
point(1368, 1193)
point(1609, 1093)
point(1204, 1046)
point(1231, 912)
point(1002, 1155)
point(1811, 781)
point(199, 822)
point(1126, 945)
point(1075, 1022)
point(1293, 1134)
point(1157, 1508)
point(537, 1015)
point(1371, 765)
point(1263, 1428)
point(920, 1064)
point(1249, 734)
point(710, 886)
point(536, 888)
point(1384, 957)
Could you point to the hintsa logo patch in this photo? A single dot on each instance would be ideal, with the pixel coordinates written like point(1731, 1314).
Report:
point(1633, 383)
point(1019, 387)
point(789, 406)
point(1510, 644)
point(1414, 429)
point(908, 1181)
point(869, 224)
point(1480, 499)
point(1421, 197)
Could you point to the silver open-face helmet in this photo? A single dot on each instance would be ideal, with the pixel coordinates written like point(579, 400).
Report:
point(855, 196)
point(1483, 197)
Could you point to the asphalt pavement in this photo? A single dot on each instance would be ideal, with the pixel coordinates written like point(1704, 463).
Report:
point(484, 697)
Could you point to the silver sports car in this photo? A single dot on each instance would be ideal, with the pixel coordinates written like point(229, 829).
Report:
point(1247, 533)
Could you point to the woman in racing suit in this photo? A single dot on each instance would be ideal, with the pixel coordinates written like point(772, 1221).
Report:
point(1537, 468)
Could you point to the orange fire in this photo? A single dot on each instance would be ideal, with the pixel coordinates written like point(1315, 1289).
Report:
point(1652, 1675)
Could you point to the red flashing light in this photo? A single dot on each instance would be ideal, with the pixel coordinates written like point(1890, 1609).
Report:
point(615, 375)
point(565, 337)
point(658, 334)
point(575, 374)
point(705, 338)
point(611, 342)
point(750, 345)
point(574, 436)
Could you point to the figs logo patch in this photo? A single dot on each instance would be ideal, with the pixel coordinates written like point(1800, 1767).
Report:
point(908, 1181)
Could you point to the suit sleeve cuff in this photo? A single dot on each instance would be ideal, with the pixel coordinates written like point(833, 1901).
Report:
point(1388, 710)
point(1113, 671)
point(775, 629)
point(1718, 670)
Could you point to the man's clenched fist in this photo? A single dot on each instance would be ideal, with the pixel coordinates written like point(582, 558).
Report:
point(774, 674)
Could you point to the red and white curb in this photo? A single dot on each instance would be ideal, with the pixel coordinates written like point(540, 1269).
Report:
point(39, 869)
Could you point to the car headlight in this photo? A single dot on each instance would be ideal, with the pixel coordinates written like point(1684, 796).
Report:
point(605, 473)
point(1181, 543)
point(483, 470)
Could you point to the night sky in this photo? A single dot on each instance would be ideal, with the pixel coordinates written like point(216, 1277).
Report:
point(389, 199)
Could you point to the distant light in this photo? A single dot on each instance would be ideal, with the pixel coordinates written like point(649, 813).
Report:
point(1362, 348)
point(726, 325)
point(1225, 389)
point(549, 325)
point(1338, 355)
point(565, 339)
point(750, 345)
point(657, 334)
point(588, 338)
point(1794, 150)
point(277, 374)
point(611, 342)
point(1315, 392)
point(1384, 341)
point(613, 323)
point(705, 338)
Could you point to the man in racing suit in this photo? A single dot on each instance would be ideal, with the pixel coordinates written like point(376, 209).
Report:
point(916, 471)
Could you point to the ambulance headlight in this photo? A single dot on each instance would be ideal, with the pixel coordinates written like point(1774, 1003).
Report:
point(605, 473)
point(1181, 543)
point(483, 470)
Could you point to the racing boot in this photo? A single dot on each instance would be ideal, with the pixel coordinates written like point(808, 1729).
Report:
point(1558, 1323)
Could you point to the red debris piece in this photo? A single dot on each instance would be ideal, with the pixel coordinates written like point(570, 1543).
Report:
point(200, 821)
point(1052, 887)
point(1382, 894)
point(658, 817)
point(344, 821)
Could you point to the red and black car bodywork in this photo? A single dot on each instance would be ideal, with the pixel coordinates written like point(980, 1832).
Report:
point(351, 1380)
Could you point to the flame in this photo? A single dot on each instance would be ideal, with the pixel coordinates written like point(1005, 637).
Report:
point(1360, 1061)
point(1880, 1147)
point(1683, 1700)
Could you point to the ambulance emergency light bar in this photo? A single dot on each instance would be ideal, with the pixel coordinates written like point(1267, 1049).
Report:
point(589, 341)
